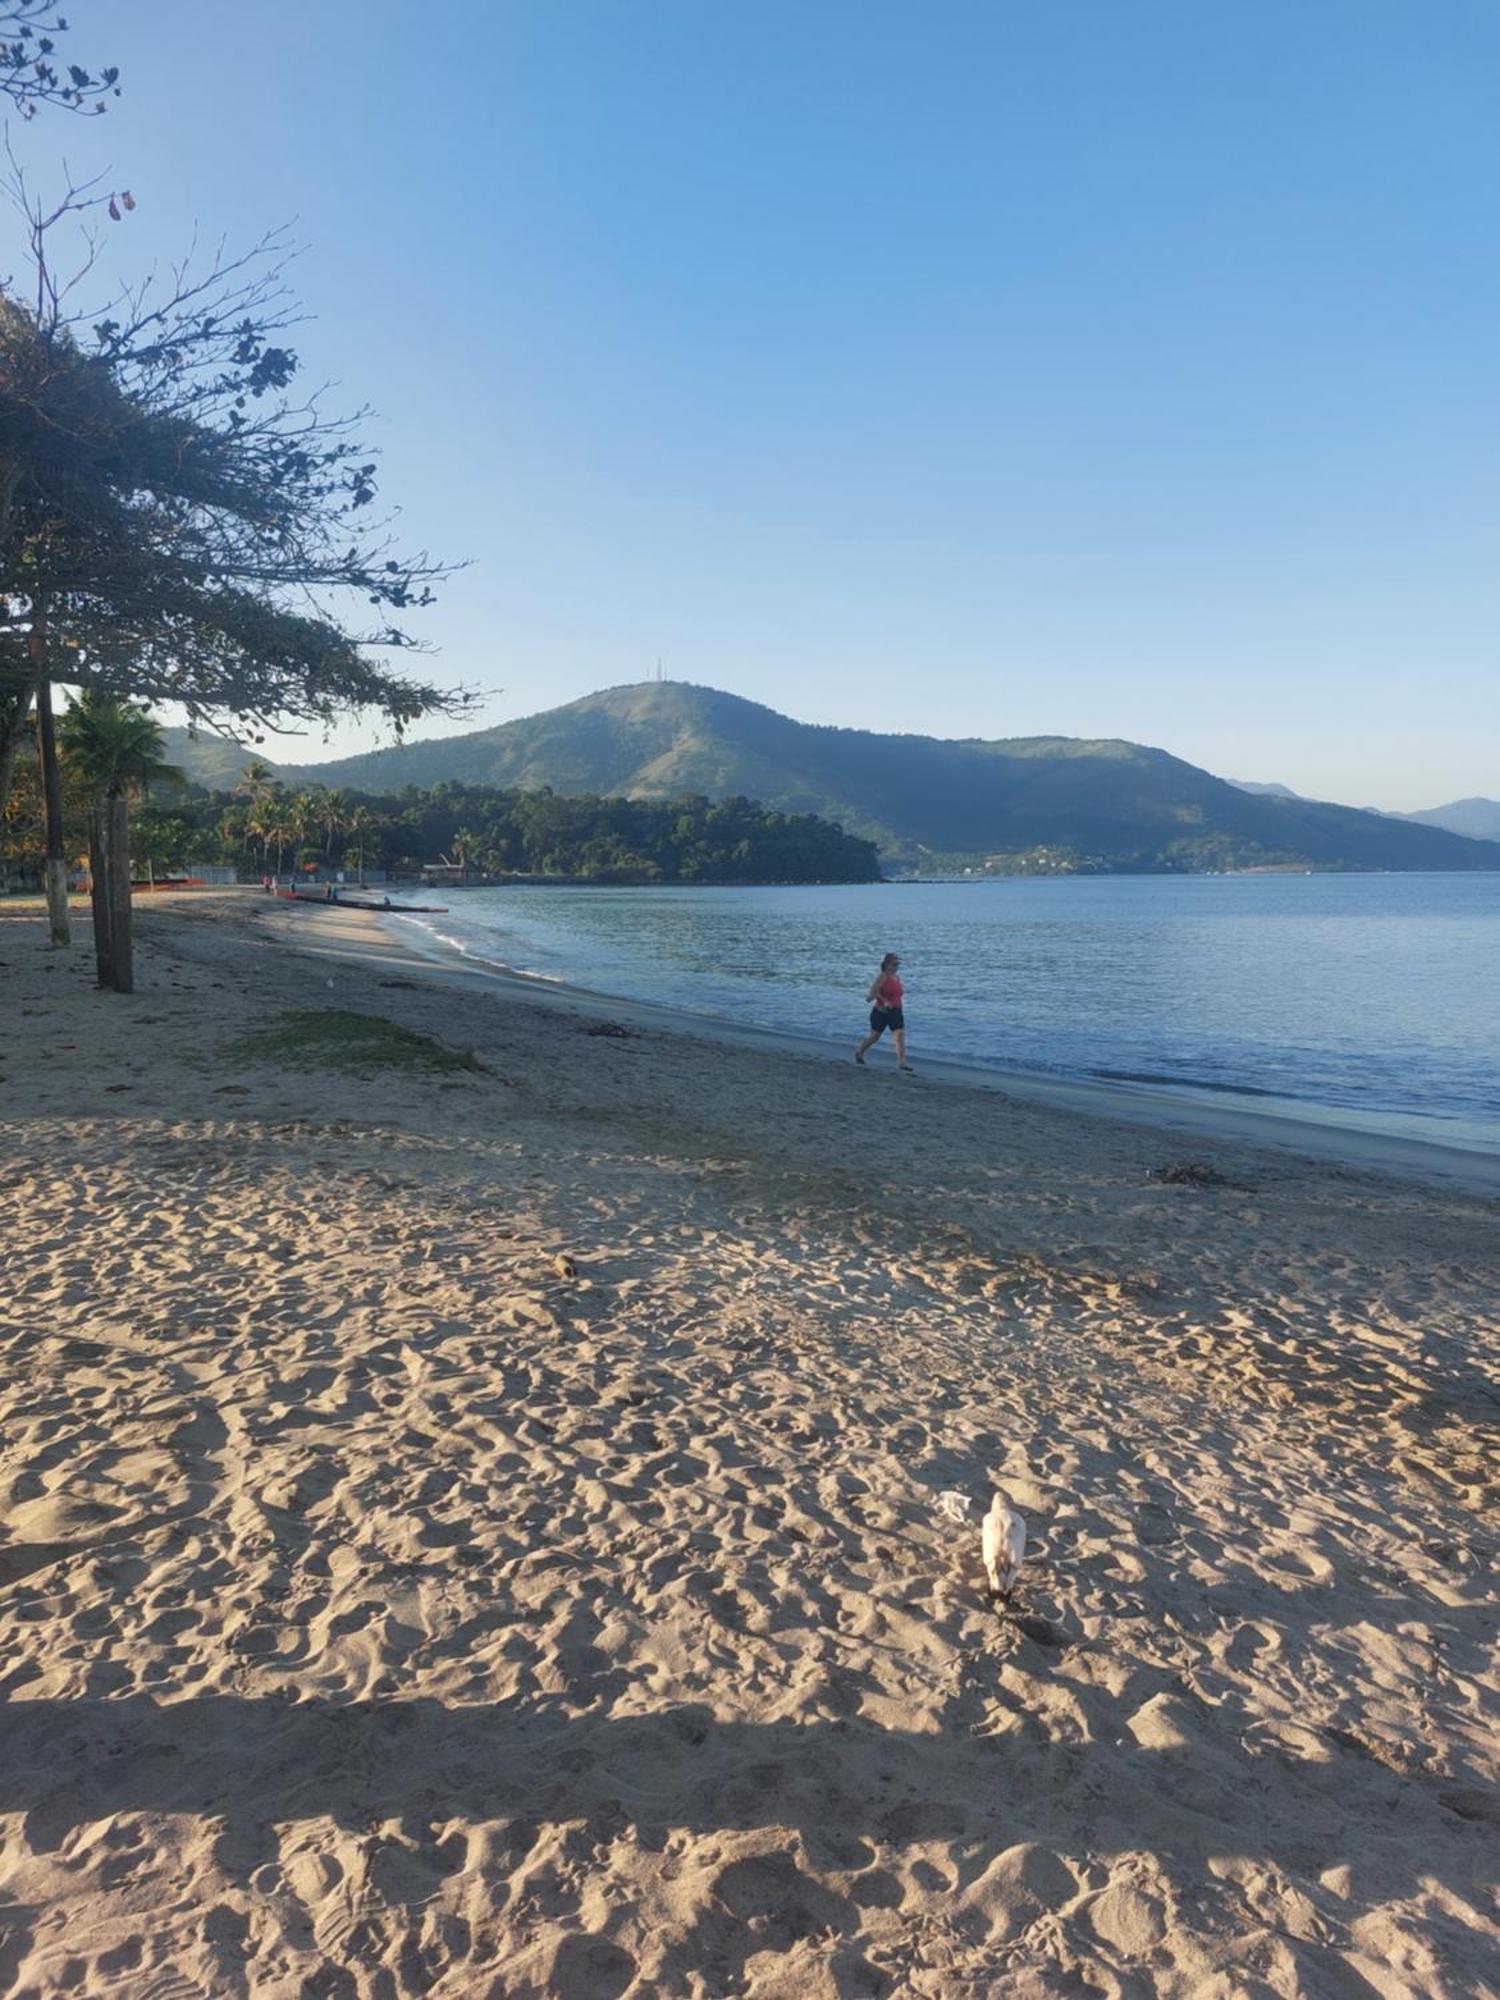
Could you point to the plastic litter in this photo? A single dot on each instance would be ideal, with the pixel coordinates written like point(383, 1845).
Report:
point(954, 1506)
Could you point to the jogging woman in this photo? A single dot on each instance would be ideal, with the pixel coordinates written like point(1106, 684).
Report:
point(885, 997)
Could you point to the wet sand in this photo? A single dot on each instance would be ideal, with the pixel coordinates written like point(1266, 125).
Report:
point(1347, 1136)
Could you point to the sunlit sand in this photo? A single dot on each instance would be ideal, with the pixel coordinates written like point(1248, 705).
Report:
point(470, 1519)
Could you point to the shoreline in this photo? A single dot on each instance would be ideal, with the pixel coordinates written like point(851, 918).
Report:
point(1320, 1132)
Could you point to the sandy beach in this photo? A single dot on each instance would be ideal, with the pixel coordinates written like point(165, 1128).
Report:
point(469, 1511)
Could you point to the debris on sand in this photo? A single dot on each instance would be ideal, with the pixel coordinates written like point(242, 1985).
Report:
point(1189, 1173)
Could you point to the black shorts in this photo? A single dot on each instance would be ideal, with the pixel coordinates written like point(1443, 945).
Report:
point(886, 1017)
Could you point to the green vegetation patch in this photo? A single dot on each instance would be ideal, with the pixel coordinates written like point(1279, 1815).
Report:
point(336, 1038)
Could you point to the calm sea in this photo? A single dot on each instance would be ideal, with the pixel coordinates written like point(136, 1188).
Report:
point(1377, 994)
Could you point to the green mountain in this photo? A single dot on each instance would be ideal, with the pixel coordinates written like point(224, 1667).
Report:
point(1039, 801)
point(208, 759)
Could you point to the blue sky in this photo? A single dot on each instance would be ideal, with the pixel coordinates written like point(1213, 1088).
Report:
point(1104, 367)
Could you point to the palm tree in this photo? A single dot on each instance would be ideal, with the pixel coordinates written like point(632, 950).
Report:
point(317, 801)
point(302, 815)
point(335, 810)
point(284, 830)
point(233, 833)
point(263, 823)
point(466, 849)
point(257, 781)
point(361, 822)
point(115, 749)
point(261, 791)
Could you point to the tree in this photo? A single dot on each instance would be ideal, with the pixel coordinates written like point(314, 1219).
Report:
point(231, 833)
point(361, 822)
point(606, 840)
point(173, 524)
point(24, 820)
point(261, 791)
point(329, 809)
point(301, 816)
point(115, 748)
point(335, 809)
point(269, 821)
point(30, 77)
point(157, 838)
point(467, 848)
point(257, 781)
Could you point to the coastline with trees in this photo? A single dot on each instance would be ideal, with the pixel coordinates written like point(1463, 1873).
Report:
point(480, 833)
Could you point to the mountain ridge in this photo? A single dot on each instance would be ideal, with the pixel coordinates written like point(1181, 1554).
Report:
point(1475, 818)
point(1039, 801)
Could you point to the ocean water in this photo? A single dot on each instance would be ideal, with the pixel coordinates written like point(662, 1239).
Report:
point(1374, 995)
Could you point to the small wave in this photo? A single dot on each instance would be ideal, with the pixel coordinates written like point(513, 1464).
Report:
point(466, 950)
point(1181, 1082)
point(1281, 1044)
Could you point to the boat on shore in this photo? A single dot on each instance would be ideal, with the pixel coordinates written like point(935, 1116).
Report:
point(349, 903)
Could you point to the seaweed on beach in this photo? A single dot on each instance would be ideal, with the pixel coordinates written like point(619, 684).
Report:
point(1189, 1173)
point(336, 1038)
point(612, 1029)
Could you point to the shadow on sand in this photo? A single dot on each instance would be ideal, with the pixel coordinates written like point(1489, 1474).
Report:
point(846, 1786)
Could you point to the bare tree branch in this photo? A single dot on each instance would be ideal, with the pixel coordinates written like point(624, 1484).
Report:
point(30, 73)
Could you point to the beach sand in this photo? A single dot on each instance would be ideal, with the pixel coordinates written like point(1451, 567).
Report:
point(474, 1530)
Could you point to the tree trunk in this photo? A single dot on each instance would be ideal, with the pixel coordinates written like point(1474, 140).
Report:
point(99, 891)
point(55, 867)
point(121, 969)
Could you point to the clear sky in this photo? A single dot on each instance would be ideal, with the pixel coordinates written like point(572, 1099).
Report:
point(1104, 367)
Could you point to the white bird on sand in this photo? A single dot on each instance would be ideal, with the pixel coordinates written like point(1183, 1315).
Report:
point(1004, 1541)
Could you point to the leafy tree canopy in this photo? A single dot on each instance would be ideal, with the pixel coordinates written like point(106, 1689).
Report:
point(175, 523)
point(114, 747)
point(486, 831)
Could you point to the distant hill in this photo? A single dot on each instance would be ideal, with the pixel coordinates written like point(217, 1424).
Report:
point(208, 759)
point(1475, 819)
point(1042, 801)
point(1263, 791)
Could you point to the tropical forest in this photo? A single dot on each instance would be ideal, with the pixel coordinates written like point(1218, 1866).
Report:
point(483, 833)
